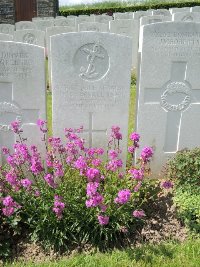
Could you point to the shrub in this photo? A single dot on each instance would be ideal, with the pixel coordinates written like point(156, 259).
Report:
point(74, 197)
point(184, 170)
point(129, 8)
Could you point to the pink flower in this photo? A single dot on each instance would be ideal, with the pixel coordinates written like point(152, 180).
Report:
point(123, 196)
point(112, 154)
point(9, 206)
point(15, 127)
point(135, 137)
point(146, 154)
point(42, 124)
point(166, 184)
point(115, 133)
point(131, 149)
point(94, 201)
point(26, 183)
point(5, 150)
point(58, 207)
point(138, 214)
point(96, 162)
point(92, 188)
point(8, 211)
point(103, 220)
point(50, 180)
point(137, 174)
point(114, 164)
point(80, 163)
point(92, 174)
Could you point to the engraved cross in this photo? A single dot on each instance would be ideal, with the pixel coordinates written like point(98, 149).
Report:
point(174, 97)
point(90, 130)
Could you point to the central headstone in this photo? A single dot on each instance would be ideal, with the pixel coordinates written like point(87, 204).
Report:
point(87, 88)
point(169, 89)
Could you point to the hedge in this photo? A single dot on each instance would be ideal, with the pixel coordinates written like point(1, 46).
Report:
point(132, 8)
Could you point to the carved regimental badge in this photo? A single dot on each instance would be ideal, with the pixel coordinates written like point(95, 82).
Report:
point(176, 97)
point(91, 61)
point(29, 38)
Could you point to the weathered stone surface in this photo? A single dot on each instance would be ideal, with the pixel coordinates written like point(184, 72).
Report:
point(24, 25)
point(30, 36)
point(186, 16)
point(195, 9)
point(86, 85)
point(169, 89)
point(7, 11)
point(7, 28)
point(42, 25)
point(103, 19)
point(84, 18)
point(127, 27)
point(138, 14)
point(125, 15)
point(154, 19)
point(161, 12)
point(69, 22)
point(93, 26)
point(6, 37)
point(45, 8)
point(176, 10)
point(22, 91)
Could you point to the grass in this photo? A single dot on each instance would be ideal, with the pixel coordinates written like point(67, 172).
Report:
point(113, 4)
point(168, 254)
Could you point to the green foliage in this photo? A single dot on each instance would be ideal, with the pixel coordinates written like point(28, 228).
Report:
point(187, 200)
point(184, 167)
point(79, 224)
point(184, 170)
point(111, 8)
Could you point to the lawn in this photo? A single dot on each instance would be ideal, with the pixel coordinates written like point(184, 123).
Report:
point(168, 254)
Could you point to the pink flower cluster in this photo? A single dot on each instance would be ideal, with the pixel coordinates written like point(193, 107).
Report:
point(58, 207)
point(74, 156)
point(9, 206)
point(123, 196)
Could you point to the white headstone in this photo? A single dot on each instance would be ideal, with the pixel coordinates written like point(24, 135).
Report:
point(42, 18)
point(176, 10)
point(186, 16)
point(42, 25)
point(128, 15)
point(195, 9)
point(86, 85)
point(93, 26)
point(25, 25)
point(169, 89)
point(154, 19)
point(69, 22)
point(103, 19)
point(138, 14)
point(84, 18)
point(22, 91)
point(127, 27)
point(31, 36)
point(57, 30)
point(54, 31)
point(161, 12)
point(7, 28)
point(6, 37)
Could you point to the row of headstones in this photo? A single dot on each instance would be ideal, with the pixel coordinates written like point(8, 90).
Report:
point(91, 87)
point(127, 24)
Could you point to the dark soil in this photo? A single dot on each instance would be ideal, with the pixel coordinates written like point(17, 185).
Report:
point(161, 224)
